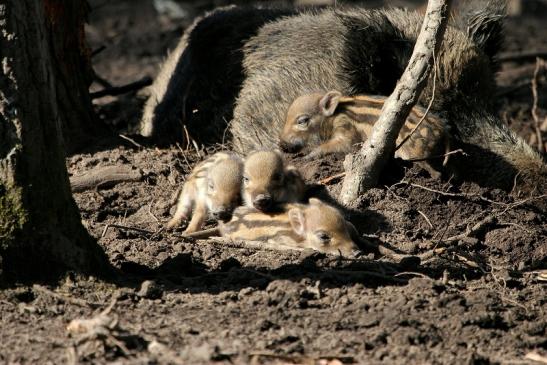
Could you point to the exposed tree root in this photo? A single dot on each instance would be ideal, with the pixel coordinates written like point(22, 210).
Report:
point(104, 176)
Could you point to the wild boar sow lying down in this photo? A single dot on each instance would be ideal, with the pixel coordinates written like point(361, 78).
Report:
point(315, 225)
point(242, 68)
point(331, 123)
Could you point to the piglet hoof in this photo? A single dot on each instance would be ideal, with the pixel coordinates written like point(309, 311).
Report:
point(175, 222)
point(190, 230)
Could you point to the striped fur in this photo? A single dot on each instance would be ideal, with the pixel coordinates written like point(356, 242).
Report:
point(251, 224)
point(213, 187)
point(336, 122)
point(268, 181)
point(315, 225)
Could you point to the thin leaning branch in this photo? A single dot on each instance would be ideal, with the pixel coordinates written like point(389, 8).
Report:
point(363, 168)
point(427, 109)
point(539, 64)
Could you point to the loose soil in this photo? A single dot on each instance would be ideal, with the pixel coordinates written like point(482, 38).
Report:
point(477, 300)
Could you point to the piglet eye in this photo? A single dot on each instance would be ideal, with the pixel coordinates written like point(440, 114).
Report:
point(245, 180)
point(303, 120)
point(211, 186)
point(323, 236)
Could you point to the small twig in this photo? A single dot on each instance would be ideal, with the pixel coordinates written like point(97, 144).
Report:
point(131, 140)
point(97, 51)
point(152, 214)
point(454, 152)
point(523, 201)
point(366, 274)
point(425, 217)
point(143, 231)
point(444, 193)
point(118, 90)
point(446, 226)
point(502, 284)
point(413, 273)
point(441, 245)
point(157, 233)
point(188, 139)
point(64, 298)
point(203, 234)
point(474, 231)
point(328, 180)
point(515, 180)
point(191, 141)
point(455, 195)
point(539, 64)
point(458, 257)
point(101, 81)
point(185, 158)
point(395, 256)
point(256, 272)
point(112, 303)
point(507, 206)
point(228, 124)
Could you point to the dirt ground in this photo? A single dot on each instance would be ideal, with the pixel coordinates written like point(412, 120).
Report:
point(477, 299)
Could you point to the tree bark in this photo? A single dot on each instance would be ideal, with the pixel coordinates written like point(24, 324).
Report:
point(40, 228)
point(65, 21)
point(363, 168)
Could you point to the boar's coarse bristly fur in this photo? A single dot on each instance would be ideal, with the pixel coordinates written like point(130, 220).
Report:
point(276, 57)
point(201, 77)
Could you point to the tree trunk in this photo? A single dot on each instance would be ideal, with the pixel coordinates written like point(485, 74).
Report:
point(64, 21)
point(363, 168)
point(40, 228)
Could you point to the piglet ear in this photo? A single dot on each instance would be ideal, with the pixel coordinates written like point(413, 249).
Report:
point(329, 103)
point(353, 232)
point(297, 220)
